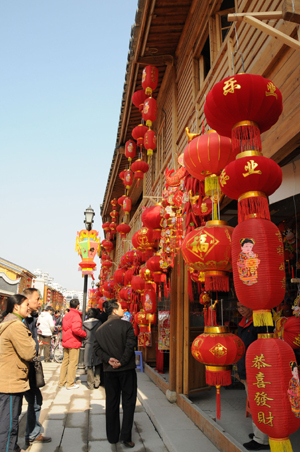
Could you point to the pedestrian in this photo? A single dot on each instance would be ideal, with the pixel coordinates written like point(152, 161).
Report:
point(114, 345)
point(33, 396)
point(248, 333)
point(45, 326)
point(91, 361)
point(71, 341)
point(17, 348)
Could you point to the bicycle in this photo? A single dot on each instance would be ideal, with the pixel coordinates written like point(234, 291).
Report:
point(57, 350)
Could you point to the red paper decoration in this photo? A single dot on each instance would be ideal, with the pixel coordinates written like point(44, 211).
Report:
point(149, 79)
point(138, 99)
point(208, 249)
point(149, 111)
point(258, 267)
point(130, 149)
point(208, 154)
point(272, 389)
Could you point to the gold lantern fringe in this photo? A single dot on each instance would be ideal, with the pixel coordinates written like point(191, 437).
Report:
point(211, 184)
point(262, 317)
point(280, 445)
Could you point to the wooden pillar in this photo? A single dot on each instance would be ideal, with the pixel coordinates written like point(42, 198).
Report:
point(179, 324)
point(173, 327)
point(186, 333)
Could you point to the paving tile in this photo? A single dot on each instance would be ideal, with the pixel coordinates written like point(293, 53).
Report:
point(97, 427)
point(103, 446)
point(54, 429)
point(77, 420)
point(97, 406)
point(74, 440)
point(57, 411)
point(79, 404)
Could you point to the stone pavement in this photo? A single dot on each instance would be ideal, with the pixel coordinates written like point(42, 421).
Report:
point(75, 419)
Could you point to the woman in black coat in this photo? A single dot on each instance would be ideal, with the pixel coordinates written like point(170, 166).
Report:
point(92, 362)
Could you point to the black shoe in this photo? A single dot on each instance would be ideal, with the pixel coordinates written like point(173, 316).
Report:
point(128, 443)
point(40, 439)
point(251, 435)
point(253, 445)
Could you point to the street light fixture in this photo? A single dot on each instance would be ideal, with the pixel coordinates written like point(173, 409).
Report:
point(89, 218)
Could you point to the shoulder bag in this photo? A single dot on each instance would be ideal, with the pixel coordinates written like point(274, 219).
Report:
point(39, 373)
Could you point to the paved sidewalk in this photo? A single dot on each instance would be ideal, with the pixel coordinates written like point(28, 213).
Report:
point(75, 419)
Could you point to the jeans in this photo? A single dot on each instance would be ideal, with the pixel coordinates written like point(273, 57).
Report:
point(35, 400)
point(10, 409)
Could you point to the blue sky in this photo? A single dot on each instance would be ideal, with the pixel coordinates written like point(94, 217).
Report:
point(62, 74)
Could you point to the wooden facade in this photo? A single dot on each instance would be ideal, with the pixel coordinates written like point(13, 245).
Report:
point(194, 46)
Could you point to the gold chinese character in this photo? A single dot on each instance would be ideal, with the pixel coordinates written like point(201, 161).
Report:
point(271, 90)
point(283, 282)
point(279, 236)
point(296, 340)
point(230, 85)
point(262, 419)
point(259, 361)
point(261, 399)
point(224, 178)
point(281, 267)
point(260, 383)
point(280, 250)
point(250, 168)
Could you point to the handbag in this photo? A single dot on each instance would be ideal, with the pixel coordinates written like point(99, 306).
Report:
point(39, 373)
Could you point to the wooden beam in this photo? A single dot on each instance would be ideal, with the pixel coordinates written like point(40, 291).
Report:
point(272, 32)
point(173, 329)
point(179, 323)
point(291, 10)
point(156, 60)
point(186, 333)
point(268, 15)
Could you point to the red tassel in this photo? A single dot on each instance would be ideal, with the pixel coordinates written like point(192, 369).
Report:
point(246, 138)
point(217, 283)
point(220, 377)
point(218, 402)
point(253, 205)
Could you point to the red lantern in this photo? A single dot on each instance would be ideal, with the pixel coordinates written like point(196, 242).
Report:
point(107, 264)
point(149, 112)
point(137, 284)
point(291, 332)
point(121, 175)
point(152, 217)
point(249, 104)
point(272, 389)
point(128, 178)
point(208, 249)
point(147, 275)
point(150, 301)
point(258, 267)
point(107, 245)
point(128, 276)
point(114, 203)
point(126, 205)
point(123, 229)
point(143, 241)
point(150, 142)
point(149, 79)
point(138, 134)
point(250, 179)
point(131, 258)
point(114, 214)
point(139, 167)
point(106, 227)
point(218, 349)
point(208, 154)
point(119, 276)
point(113, 228)
point(138, 99)
point(123, 261)
point(154, 265)
point(130, 149)
point(125, 294)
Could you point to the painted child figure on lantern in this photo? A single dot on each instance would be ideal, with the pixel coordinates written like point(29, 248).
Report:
point(294, 389)
point(248, 262)
point(248, 333)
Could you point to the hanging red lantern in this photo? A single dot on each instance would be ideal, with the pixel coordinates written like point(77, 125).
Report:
point(150, 142)
point(125, 294)
point(143, 241)
point(131, 258)
point(107, 264)
point(137, 284)
point(123, 261)
point(121, 175)
point(114, 203)
point(147, 275)
point(113, 228)
point(150, 301)
point(290, 332)
point(107, 245)
point(218, 349)
point(208, 154)
point(149, 112)
point(128, 276)
point(114, 214)
point(154, 265)
point(139, 167)
point(258, 267)
point(123, 229)
point(121, 199)
point(106, 227)
point(208, 249)
point(251, 179)
point(126, 205)
point(119, 276)
point(128, 178)
point(138, 99)
point(138, 134)
point(242, 107)
point(152, 217)
point(273, 381)
point(130, 149)
point(149, 79)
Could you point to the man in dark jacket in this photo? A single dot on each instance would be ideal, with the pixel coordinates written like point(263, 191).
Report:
point(114, 344)
point(71, 341)
point(248, 333)
point(33, 396)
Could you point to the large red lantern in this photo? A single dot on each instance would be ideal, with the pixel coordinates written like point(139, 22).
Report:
point(123, 229)
point(139, 167)
point(152, 217)
point(150, 142)
point(138, 134)
point(130, 149)
point(128, 178)
point(149, 111)
point(138, 99)
point(250, 179)
point(149, 79)
point(272, 389)
point(208, 154)
point(218, 349)
point(208, 249)
point(258, 267)
point(243, 106)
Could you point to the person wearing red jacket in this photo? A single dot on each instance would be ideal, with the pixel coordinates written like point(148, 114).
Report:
point(72, 334)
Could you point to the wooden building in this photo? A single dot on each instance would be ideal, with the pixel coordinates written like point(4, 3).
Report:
point(194, 45)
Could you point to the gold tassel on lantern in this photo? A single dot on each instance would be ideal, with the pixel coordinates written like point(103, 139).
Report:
point(280, 445)
point(212, 187)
